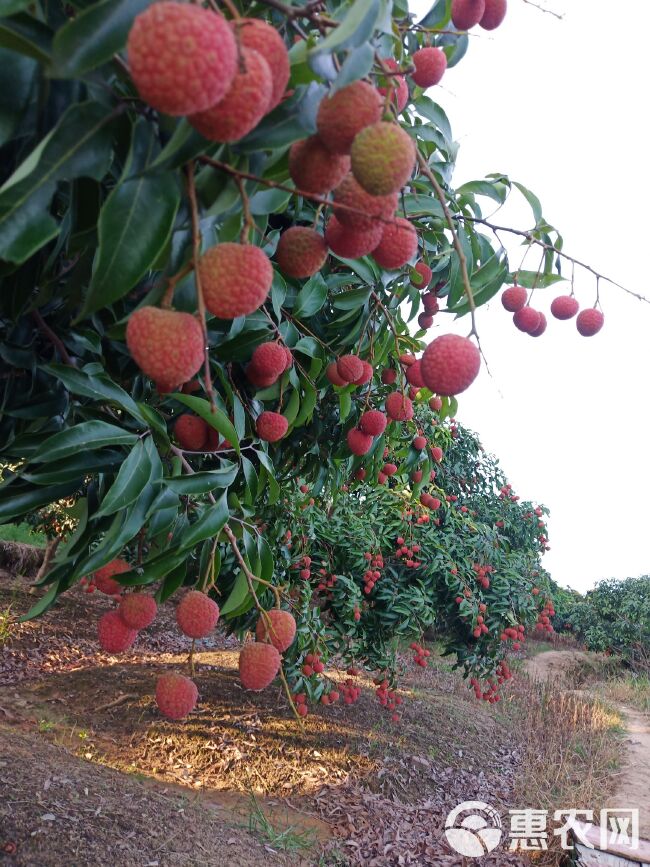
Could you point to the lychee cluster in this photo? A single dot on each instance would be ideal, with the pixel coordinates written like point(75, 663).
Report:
point(488, 14)
point(118, 629)
point(373, 572)
point(514, 634)
point(421, 654)
point(387, 697)
point(564, 307)
point(544, 618)
point(268, 362)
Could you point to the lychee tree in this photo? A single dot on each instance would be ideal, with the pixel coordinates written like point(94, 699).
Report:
point(218, 229)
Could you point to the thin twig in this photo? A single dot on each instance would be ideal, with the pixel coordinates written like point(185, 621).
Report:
point(54, 339)
point(543, 9)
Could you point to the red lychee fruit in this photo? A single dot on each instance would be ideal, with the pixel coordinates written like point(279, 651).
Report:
point(425, 321)
point(103, 579)
point(419, 443)
point(360, 474)
point(366, 376)
point(258, 665)
point(282, 629)
point(197, 614)
point(422, 276)
point(541, 328)
point(268, 362)
point(259, 36)
point(589, 322)
point(467, 13)
point(351, 194)
point(564, 307)
point(416, 476)
point(301, 251)
point(430, 65)
point(399, 243)
point(271, 426)
point(450, 364)
point(430, 303)
point(383, 158)
point(373, 422)
point(495, 12)
point(342, 116)
point(414, 375)
point(176, 695)
point(436, 454)
point(435, 404)
point(137, 610)
point(332, 373)
point(191, 432)
point(166, 345)
point(245, 104)
point(399, 407)
point(349, 367)
point(526, 319)
point(389, 469)
point(235, 279)
point(352, 243)
point(114, 635)
point(315, 169)
point(514, 298)
point(182, 58)
point(289, 356)
point(388, 376)
point(359, 442)
point(396, 84)
point(259, 379)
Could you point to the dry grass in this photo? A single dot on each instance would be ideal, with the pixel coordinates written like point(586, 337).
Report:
point(631, 689)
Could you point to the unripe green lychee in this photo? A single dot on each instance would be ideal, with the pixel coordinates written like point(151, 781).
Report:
point(265, 39)
point(301, 251)
point(399, 243)
point(166, 345)
point(315, 169)
point(352, 243)
point(235, 278)
point(343, 115)
point(383, 157)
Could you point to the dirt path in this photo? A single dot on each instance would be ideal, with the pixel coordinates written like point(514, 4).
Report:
point(634, 778)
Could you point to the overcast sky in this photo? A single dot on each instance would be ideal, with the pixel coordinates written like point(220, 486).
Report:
point(561, 106)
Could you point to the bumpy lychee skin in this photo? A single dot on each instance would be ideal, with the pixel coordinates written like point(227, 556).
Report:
point(245, 104)
point(271, 426)
point(332, 373)
point(166, 345)
point(191, 432)
point(366, 376)
point(259, 663)
point(589, 322)
point(367, 208)
point(182, 57)
point(359, 442)
point(419, 443)
point(414, 375)
point(422, 277)
point(495, 12)
point(388, 375)
point(399, 243)
point(564, 307)
point(373, 422)
point(268, 360)
point(352, 243)
point(399, 407)
point(450, 364)
point(197, 614)
point(526, 319)
point(114, 635)
point(103, 579)
point(176, 695)
point(301, 251)
point(262, 37)
point(137, 610)
point(467, 13)
point(315, 169)
point(349, 367)
point(281, 631)
point(343, 115)
point(397, 86)
point(430, 303)
point(430, 65)
point(383, 157)
point(541, 327)
point(425, 320)
point(514, 298)
point(258, 378)
point(235, 278)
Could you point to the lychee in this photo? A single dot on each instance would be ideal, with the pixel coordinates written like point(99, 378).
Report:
point(352, 243)
point(191, 432)
point(435, 404)
point(396, 84)
point(389, 469)
point(541, 327)
point(467, 13)
point(332, 373)
point(268, 362)
point(495, 12)
point(414, 375)
point(419, 443)
point(176, 695)
point(399, 407)
point(343, 115)
point(564, 307)
point(383, 158)
point(114, 635)
point(197, 614)
point(280, 632)
point(422, 276)
point(399, 243)
point(243, 106)
point(103, 579)
point(235, 279)
point(137, 610)
point(526, 319)
point(301, 251)
point(514, 298)
point(430, 303)
point(349, 367)
point(182, 57)
point(373, 422)
point(315, 169)
point(359, 442)
point(425, 321)
point(368, 208)
point(166, 345)
point(262, 37)
point(436, 454)
point(589, 322)
point(388, 375)
point(258, 665)
point(450, 364)
point(430, 65)
point(366, 376)
point(271, 426)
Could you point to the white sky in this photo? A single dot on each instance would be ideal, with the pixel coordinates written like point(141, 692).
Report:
point(561, 106)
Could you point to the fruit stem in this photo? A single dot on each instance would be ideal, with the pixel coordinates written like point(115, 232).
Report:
point(172, 282)
point(250, 578)
point(54, 339)
point(190, 659)
point(290, 698)
point(249, 223)
point(230, 6)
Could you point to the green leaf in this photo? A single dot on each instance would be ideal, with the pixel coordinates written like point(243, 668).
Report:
point(210, 523)
point(93, 36)
point(131, 479)
point(532, 200)
point(311, 297)
point(25, 34)
point(134, 224)
point(356, 65)
point(173, 580)
point(237, 596)
point(87, 435)
point(203, 482)
point(530, 279)
point(217, 419)
point(43, 604)
point(16, 82)
point(355, 28)
point(345, 404)
point(93, 382)
point(79, 146)
point(15, 501)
